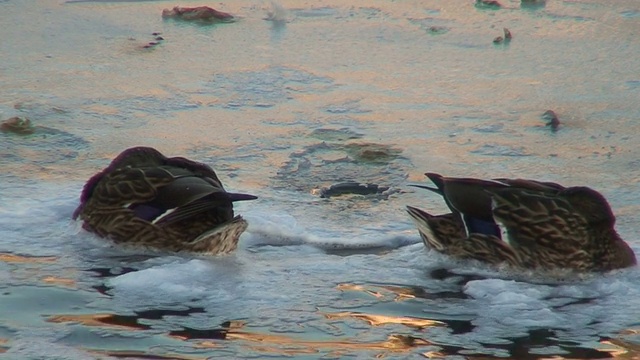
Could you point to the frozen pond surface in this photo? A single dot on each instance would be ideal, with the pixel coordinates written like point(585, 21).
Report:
point(336, 91)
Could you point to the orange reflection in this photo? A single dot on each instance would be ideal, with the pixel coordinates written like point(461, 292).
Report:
point(433, 355)
point(354, 287)
point(401, 293)
point(59, 281)
point(102, 320)
point(285, 345)
point(621, 349)
point(394, 343)
point(3, 342)
point(125, 354)
point(630, 332)
point(29, 268)
point(377, 320)
point(227, 327)
point(13, 258)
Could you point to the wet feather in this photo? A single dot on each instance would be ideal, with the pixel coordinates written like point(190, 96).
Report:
point(524, 223)
point(176, 204)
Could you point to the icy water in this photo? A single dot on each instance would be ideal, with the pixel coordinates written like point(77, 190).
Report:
point(317, 93)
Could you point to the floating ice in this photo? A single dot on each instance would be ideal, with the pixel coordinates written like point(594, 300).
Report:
point(510, 308)
point(281, 229)
point(176, 281)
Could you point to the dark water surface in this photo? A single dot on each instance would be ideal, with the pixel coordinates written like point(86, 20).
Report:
point(324, 92)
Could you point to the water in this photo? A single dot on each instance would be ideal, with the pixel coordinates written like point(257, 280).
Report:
point(283, 106)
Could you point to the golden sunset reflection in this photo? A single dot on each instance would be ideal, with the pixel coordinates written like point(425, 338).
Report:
point(377, 320)
point(13, 258)
point(621, 349)
point(29, 269)
point(273, 344)
point(400, 293)
point(630, 332)
point(433, 355)
point(53, 280)
point(354, 287)
point(126, 354)
point(101, 320)
point(286, 345)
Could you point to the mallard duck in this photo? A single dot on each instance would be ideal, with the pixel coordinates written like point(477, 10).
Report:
point(523, 223)
point(175, 204)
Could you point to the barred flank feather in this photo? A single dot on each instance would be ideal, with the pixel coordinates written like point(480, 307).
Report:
point(524, 223)
point(175, 204)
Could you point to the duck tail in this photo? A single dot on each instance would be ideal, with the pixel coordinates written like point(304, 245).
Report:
point(240, 197)
point(437, 180)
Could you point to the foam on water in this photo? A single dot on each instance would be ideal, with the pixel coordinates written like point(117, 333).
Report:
point(247, 286)
point(279, 229)
point(282, 267)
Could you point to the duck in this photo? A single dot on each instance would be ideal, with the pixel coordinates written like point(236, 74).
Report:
point(525, 224)
point(168, 203)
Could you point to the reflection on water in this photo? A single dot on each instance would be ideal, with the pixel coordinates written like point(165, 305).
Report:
point(118, 354)
point(121, 321)
point(54, 280)
point(279, 344)
point(621, 349)
point(106, 320)
point(402, 334)
point(13, 258)
point(292, 97)
point(29, 268)
point(377, 320)
point(378, 291)
point(270, 343)
point(285, 345)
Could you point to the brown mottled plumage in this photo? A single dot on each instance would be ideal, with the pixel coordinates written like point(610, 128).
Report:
point(175, 204)
point(544, 225)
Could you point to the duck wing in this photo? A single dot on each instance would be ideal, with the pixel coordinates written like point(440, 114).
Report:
point(538, 220)
point(446, 234)
point(471, 198)
point(104, 188)
point(181, 194)
point(437, 231)
point(467, 197)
